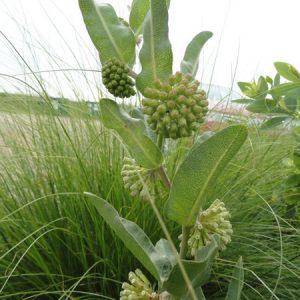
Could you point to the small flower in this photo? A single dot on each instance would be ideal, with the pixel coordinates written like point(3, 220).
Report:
point(139, 289)
point(115, 78)
point(214, 220)
point(139, 181)
point(175, 108)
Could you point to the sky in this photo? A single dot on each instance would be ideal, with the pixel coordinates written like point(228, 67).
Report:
point(49, 38)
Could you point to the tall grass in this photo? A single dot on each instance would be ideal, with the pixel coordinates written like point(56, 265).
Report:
point(53, 246)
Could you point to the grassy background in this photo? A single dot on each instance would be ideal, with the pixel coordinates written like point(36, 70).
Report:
point(54, 246)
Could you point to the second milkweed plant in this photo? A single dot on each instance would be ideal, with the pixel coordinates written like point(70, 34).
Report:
point(172, 107)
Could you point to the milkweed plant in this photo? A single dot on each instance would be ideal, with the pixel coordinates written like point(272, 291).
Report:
point(173, 107)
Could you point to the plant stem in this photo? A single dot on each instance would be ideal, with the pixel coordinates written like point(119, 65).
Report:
point(184, 241)
point(164, 177)
point(160, 141)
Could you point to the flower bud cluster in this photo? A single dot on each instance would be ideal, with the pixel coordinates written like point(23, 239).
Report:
point(139, 181)
point(214, 220)
point(139, 289)
point(176, 107)
point(115, 78)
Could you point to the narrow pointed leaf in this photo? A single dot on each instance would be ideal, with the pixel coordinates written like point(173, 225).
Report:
point(243, 101)
point(133, 134)
point(284, 88)
point(134, 238)
point(198, 270)
point(111, 37)
point(237, 282)
point(190, 60)
point(156, 54)
point(287, 71)
point(198, 173)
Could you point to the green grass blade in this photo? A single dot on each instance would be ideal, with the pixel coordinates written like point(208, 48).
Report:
point(237, 282)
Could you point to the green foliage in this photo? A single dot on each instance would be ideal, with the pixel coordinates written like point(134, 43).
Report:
point(287, 71)
point(198, 270)
point(134, 239)
point(110, 36)
point(156, 55)
point(211, 157)
point(133, 134)
point(237, 281)
point(190, 60)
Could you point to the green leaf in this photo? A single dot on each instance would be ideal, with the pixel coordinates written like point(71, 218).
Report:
point(199, 294)
point(284, 88)
point(164, 248)
point(198, 270)
point(243, 101)
point(190, 60)
point(134, 239)
point(156, 54)
point(292, 99)
point(245, 87)
point(111, 37)
point(237, 282)
point(296, 157)
point(138, 12)
point(271, 123)
point(287, 71)
point(133, 134)
point(262, 106)
point(198, 173)
point(262, 88)
point(296, 133)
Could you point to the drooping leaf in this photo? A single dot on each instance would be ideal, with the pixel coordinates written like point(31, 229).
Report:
point(156, 54)
point(287, 71)
point(237, 282)
point(165, 250)
point(198, 270)
point(190, 61)
point(134, 238)
point(198, 173)
point(262, 106)
point(273, 122)
point(133, 134)
point(111, 37)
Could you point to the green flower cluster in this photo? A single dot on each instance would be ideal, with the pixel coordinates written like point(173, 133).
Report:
point(139, 289)
point(116, 79)
point(214, 220)
point(139, 181)
point(176, 107)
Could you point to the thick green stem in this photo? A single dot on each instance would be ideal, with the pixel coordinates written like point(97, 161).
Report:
point(164, 177)
point(160, 141)
point(184, 242)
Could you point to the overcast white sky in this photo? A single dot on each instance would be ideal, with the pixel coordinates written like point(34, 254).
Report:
point(249, 35)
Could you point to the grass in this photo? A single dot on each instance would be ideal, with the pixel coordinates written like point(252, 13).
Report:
point(54, 246)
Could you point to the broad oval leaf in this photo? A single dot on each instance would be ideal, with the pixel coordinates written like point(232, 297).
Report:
point(198, 173)
point(198, 270)
point(133, 134)
point(111, 37)
point(236, 284)
point(287, 71)
point(156, 55)
point(134, 238)
point(190, 60)
point(262, 106)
